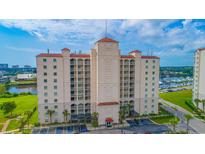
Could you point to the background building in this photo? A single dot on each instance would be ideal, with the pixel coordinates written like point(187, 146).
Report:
point(199, 76)
point(103, 81)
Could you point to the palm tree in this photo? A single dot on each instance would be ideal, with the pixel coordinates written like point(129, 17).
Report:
point(129, 107)
point(28, 113)
point(203, 103)
point(188, 117)
point(95, 119)
point(197, 101)
point(66, 114)
point(50, 113)
point(122, 115)
point(174, 122)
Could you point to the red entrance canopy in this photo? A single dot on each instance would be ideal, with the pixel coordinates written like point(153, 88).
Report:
point(108, 120)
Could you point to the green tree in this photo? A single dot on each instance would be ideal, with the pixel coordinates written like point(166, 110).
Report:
point(188, 117)
point(2, 89)
point(174, 122)
point(95, 119)
point(8, 107)
point(197, 101)
point(50, 114)
point(28, 114)
point(65, 115)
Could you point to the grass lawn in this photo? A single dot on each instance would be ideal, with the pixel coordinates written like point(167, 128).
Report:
point(24, 103)
point(163, 120)
point(178, 98)
point(14, 124)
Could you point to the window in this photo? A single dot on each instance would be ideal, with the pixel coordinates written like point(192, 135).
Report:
point(146, 78)
point(55, 80)
point(45, 74)
point(45, 94)
point(54, 60)
point(146, 73)
point(145, 106)
point(44, 60)
point(44, 67)
point(146, 89)
point(153, 67)
point(152, 106)
point(146, 61)
point(146, 66)
point(55, 73)
point(146, 84)
point(45, 101)
point(55, 106)
point(153, 73)
point(45, 87)
point(55, 87)
point(54, 67)
point(55, 93)
point(152, 89)
point(153, 61)
point(55, 100)
point(46, 107)
point(153, 84)
point(145, 101)
point(45, 80)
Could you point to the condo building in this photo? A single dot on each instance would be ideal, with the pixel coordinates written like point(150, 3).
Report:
point(103, 81)
point(199, 76)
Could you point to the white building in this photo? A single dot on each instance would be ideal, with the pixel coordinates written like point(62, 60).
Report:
point(199, 76)
point(25, 76)
point(102, 81)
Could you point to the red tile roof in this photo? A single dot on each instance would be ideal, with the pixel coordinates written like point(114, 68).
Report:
point(80, 55)
point(150, 57)
point(106, 39)
point(127, 56)
point(107, 103)
point(135, 51)
point(66, 49)
point(109, 119)
point(49, 55)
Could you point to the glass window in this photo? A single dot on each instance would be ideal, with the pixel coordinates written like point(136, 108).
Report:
point(55, 87)
point(45, 101)
point(55, 80)
point(54, 60)
point(55, 106)
point(146, 61)
point(44, 60)
point(44, 67)
point(55, 73)
point(45, 74)
point(45, 87)
point(45, 81)
point(55, 100)
point(46, 107)
point(55, 93)
point(45, 94)
point(54, 67)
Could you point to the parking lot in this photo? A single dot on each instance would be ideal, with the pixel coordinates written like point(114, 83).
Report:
point(145, 126)
point(61, 130)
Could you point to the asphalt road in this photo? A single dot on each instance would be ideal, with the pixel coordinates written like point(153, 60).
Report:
point(196, 125)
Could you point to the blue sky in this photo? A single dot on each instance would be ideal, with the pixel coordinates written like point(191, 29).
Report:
point(173, 40)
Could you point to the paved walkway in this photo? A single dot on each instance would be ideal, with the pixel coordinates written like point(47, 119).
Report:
point(5, 125)
point(195, 123)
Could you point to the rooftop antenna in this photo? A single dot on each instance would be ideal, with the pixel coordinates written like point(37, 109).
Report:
point(48, 51)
